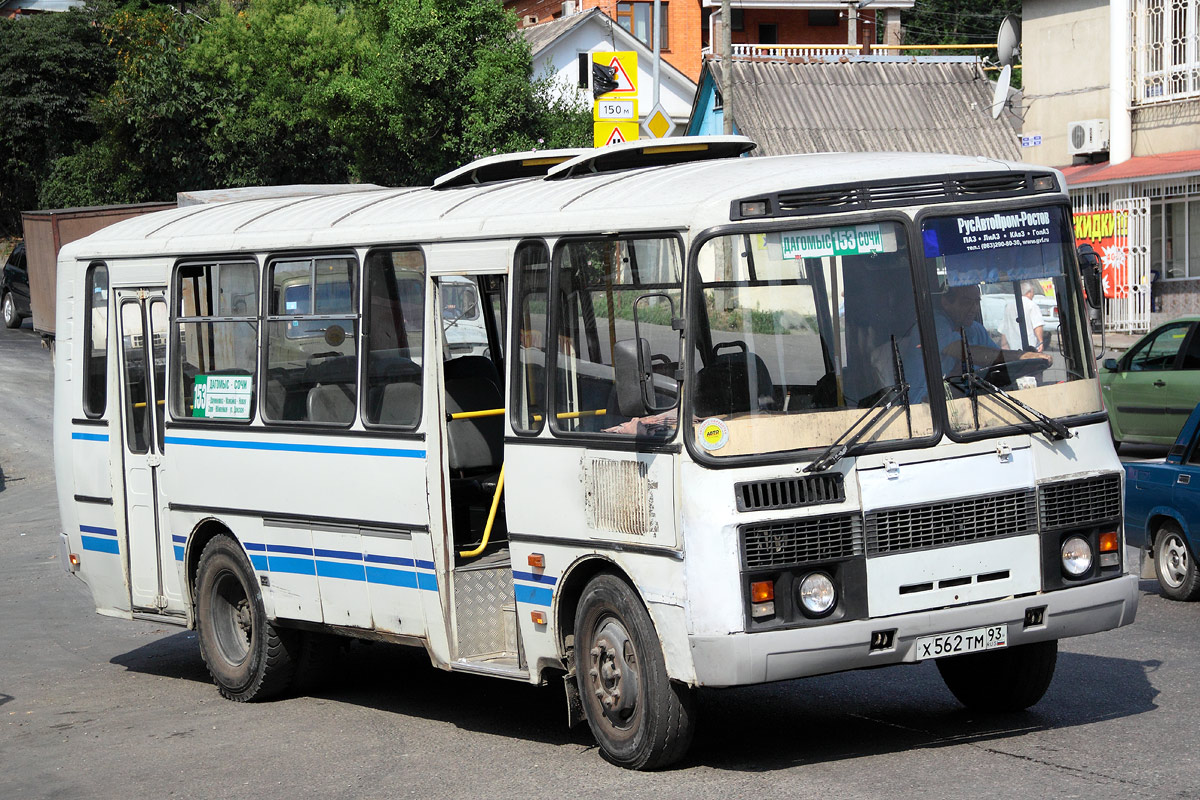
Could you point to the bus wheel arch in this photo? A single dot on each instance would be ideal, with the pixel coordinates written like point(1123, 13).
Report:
point(200, 536)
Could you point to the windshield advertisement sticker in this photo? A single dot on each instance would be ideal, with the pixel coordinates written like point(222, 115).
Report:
point(845, 241)
point(713, 434)
point(221, 396)
point(974, 233)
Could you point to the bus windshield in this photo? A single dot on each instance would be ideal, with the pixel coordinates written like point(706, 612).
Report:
point(800, 333)
point(1007, 316)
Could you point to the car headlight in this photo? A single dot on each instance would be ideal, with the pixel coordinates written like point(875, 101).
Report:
point(817, 594)
point(1076, 556)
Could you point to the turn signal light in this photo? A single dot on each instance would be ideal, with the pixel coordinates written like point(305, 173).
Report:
point(1108, 542)
point(762, 591)
point(74, 560)
point(537, 560)
point(538, 617)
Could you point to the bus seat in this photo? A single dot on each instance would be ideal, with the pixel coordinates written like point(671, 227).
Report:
point(723, 387)
point(332, 402)
point(276, 397)
point(400, 404)
point(476, 444)
point(472, 367)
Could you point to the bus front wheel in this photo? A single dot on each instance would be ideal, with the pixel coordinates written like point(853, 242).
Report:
point(247, 657)
point(640, 718)
point(1011, 679)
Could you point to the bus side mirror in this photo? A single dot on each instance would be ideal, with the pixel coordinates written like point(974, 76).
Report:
point(631, 364)
point(1089, 268)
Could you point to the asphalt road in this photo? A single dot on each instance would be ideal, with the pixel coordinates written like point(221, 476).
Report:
point(103, 708)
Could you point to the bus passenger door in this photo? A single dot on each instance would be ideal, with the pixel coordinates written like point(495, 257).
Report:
point(142, 330)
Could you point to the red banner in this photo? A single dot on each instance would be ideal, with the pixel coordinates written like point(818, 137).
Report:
point(1100, 229)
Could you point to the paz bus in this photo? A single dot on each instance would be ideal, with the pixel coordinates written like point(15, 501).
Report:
point(738, 420)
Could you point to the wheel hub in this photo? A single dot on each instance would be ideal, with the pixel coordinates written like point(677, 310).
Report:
point(1174, 561)
point(614, 673)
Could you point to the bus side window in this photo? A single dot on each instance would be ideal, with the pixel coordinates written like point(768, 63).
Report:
point(216, 329)
point(599, 285)
point(530, 316)
point(95, 341)
point(395, 316)
point(312, 340)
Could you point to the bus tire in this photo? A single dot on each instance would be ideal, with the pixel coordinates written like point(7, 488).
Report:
point(1011, 679)
point(640, 718)
point(247, 657)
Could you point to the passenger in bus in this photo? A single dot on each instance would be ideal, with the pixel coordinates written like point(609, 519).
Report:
point(1034, 338)
point(955, 318)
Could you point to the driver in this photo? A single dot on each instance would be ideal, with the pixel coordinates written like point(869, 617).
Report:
point(955, 317)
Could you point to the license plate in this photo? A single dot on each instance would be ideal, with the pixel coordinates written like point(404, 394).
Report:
point(959, 642)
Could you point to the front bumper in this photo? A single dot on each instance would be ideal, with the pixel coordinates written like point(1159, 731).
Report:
point(745, 658)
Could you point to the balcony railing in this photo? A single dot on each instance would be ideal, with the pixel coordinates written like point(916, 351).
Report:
point(800, 52)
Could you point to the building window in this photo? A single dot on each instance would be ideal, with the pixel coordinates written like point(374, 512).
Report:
point(823, 19)
point(635, 17)
point(737, 19)
point(1175, 238)
point(1166, 50)
point(768, 34)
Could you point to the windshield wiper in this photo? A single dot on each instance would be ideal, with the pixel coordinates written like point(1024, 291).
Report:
point(1049, 426)
point(898, 391)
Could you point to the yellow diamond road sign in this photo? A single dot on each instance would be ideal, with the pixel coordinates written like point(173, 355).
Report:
point(658, 124)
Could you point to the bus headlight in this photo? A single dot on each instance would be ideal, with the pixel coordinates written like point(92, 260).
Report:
point(1076, 556)
point(817, 594)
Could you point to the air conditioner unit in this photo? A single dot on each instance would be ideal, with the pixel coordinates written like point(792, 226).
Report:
point(1087, 136)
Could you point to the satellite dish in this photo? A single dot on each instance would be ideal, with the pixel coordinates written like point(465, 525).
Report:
point(1008, 40)
point(1000, 96)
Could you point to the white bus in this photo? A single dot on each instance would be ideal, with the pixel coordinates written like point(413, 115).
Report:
point(738, 420)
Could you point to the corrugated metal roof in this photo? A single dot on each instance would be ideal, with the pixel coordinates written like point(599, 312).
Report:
point(544, 34)
point(1185, 162)
point(868, 106)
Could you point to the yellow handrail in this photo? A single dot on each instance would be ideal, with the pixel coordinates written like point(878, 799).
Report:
point(490, 412)
point(599, 412)
point(487, 529)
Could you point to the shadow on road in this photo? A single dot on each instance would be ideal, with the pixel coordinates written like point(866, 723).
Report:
point(751, 729)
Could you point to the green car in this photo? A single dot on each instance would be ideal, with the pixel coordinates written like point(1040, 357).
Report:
point(1152, 389)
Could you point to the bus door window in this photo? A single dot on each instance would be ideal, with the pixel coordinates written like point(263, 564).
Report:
point(394, 324)
point(312, 334)
point(531, 270)
point(137, 388)
point(617, 296)
point(95, 342)
point(216, 330)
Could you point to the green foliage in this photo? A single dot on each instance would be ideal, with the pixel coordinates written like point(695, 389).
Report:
point(51, 65)
point(956, 21)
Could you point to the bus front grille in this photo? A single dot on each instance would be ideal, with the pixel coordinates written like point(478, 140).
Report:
point(1079, 502)
point(895, 530)
point(801, 541)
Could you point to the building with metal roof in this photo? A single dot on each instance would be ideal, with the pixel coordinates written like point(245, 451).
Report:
point(858, 104)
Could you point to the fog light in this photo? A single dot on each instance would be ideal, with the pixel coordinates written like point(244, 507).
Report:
point(1076, 556)
point(817, 594)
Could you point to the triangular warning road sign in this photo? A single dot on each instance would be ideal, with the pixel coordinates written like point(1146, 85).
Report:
point(616, 137)
point(624, 83)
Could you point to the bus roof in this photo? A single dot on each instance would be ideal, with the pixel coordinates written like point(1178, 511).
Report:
point(691, 195)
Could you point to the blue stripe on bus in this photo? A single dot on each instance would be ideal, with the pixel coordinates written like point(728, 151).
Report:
point(534, 577)
point(178, 553)
point(427, 581)
point(425, 564)
point(392, 577)
point(256, 546)
point(338, 554)
point(287, 548)
point(101, 545)
point(89, 437)
point(260, 563)
point(177, 538)
point(94, 529)
point(339, 569)
point(400, 562)
point(295, 566)
point(289, 447)
point(534, 595)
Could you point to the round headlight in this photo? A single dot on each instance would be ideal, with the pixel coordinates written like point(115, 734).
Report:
point(1076, 556)
point(817, 594)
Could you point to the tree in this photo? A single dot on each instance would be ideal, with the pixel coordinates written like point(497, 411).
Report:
point(51, 68)
point(956, 21)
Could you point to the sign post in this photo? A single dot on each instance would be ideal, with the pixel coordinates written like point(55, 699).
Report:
point(615, 112)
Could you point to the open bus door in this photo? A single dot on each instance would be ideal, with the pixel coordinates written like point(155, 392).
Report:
point(142, 338)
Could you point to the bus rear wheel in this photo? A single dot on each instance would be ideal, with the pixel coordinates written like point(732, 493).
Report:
point(247, 657)
point(1011, 679)
point(640, 718)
